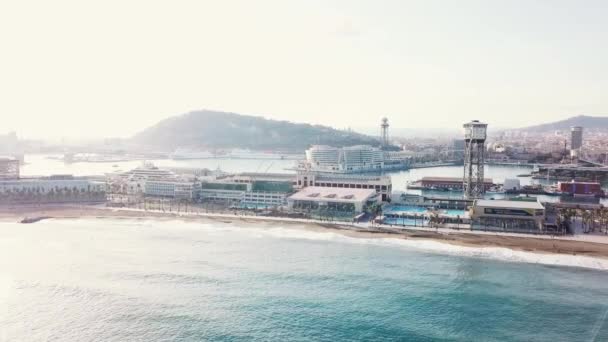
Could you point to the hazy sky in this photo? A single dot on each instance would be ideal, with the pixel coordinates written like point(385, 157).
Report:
point(84, 68)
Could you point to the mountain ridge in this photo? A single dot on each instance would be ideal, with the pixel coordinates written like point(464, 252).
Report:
point(585, 121)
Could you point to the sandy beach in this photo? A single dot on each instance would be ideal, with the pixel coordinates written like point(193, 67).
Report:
point(537, 244)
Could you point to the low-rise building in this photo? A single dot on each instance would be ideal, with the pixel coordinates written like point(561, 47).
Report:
point(315, 198)
point(580, 188)
point(247, 192)
point(382, 184)
point(512, 184)
point(264, 198)
point(150, 180)
point(170, 188)
point(516, 216)
point(454, 183)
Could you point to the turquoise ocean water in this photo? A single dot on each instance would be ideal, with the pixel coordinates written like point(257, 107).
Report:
point(138, 280)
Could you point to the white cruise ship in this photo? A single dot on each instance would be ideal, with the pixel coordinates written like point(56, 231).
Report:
point(238, 153)
point(181, 154)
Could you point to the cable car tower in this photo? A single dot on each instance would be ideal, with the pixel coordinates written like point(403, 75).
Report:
point(384, 132)
point(474, 153)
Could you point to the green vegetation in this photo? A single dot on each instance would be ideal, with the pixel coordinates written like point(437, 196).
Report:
point(56, 195)
point(229, 130)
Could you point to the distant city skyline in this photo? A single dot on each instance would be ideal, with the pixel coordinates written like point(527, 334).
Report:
point(90, 69)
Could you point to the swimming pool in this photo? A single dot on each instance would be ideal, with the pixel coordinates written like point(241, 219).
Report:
point(411, 209)
point(395, 209)
point(454, 212)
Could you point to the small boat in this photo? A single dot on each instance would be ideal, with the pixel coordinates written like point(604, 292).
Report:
point(33, 219)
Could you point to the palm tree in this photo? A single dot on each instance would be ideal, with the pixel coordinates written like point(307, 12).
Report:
point(586, 218)
point(434, 218)
point(603, 214)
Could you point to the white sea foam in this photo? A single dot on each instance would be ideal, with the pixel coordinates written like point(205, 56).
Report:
point(259, 230)
point(495, 253)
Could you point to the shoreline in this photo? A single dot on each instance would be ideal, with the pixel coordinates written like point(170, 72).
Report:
point(543, 245)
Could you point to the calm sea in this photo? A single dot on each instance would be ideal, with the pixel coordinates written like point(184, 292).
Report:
point(139, 280)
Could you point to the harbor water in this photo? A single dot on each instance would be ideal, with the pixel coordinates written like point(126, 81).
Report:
point(41, 165)
point(37, 165)
point(139, 280)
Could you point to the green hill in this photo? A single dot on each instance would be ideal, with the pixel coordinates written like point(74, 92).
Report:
point(213, 129)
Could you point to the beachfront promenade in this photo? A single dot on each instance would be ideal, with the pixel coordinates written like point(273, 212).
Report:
point(370, 227)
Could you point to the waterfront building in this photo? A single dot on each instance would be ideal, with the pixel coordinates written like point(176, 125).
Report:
point(580, 188)
point(169, 188)
point(503, 215)
point(360, 158)
point(264, 199)
point(449, 183)
point(249, 189)
point(223, 191)
point(150, 180)
point(314, 198)
point(237, 194)
point(511, 184)
point(282, 179)
point(382, 184)
point(569, 172)
point(431, 201)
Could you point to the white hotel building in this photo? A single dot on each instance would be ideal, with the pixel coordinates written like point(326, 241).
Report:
point(360, 158)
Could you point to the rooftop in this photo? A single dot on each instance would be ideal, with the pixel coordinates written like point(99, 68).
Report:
point(509, 204)
point(580, 183)
point(450, 179)
point(342, 177)
point(316, 193)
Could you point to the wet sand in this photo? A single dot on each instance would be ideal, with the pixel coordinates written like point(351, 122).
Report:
point(522, 243)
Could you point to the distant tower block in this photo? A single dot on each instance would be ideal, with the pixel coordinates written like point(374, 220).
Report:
point(9, 169)
point(384, 129)
point(474, 151)
point(576, 141)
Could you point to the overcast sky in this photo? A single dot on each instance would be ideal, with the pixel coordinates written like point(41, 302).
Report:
point(88, 69)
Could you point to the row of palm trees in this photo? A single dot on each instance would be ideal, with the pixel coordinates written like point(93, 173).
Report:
point(38, 195)
point(592, 220)
point(164, 204)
